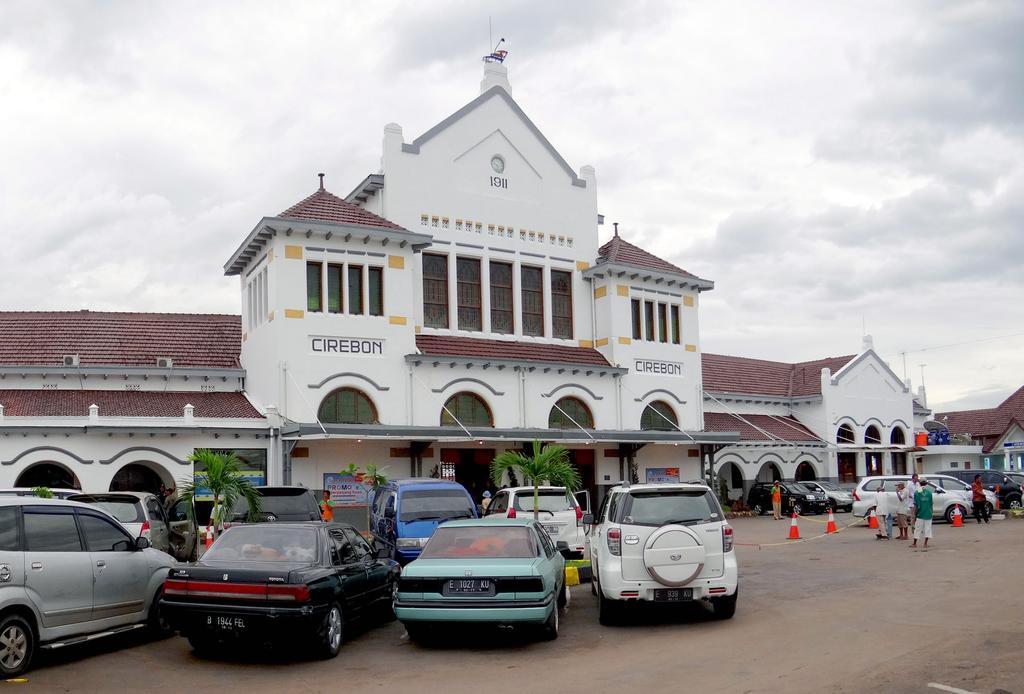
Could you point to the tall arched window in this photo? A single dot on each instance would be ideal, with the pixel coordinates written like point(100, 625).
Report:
point(897, 438)
point(568, 412)
point(845, 434)
point(347, 406)
point(871, 435)
point(658, 415)
point(468, 409)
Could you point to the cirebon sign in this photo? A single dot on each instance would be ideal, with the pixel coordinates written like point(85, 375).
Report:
point(348, 346)
point(657, 368)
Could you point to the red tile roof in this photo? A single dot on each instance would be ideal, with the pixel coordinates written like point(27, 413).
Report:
point(749, 426)
point(622, 252)
point(322, 206)
point(987, 425)
point(443, 345)
point(42, 338)
point(119, 403)
point(725, 374)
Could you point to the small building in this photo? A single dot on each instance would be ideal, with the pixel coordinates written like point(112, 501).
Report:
point(996, 435)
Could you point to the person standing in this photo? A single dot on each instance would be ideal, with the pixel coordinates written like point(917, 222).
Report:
point(979, 500)
point(883, 512)
point(327, 508)
point(902, 509)
point(776, 500)
point(923, 509)
point(486, 501)
point(911, 489)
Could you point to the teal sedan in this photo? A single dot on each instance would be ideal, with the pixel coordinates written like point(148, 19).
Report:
point(505, 572)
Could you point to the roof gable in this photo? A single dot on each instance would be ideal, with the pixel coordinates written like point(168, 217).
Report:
point(621, 252)
point(324, 206)
point(842, 371)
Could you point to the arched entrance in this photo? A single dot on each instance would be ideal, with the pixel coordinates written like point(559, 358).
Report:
point(769, 472)
point(138, 477)
point(51, 475)
point(733, 476)
point(805, 472)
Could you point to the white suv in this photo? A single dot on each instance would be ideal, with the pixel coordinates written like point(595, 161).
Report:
point(557, 511)
point(664, 543)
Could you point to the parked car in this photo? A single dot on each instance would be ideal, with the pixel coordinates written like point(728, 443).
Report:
point(30, 491)
point(280, 504)
point(559, 513)
point(952, 484)
point(504, 571)
point(406, 512)
point(662, 543)
point(943, 503)
point(183, 532)
point(290, 583)
point(140, 513)
point(839, 499)
point(70, 573)
point(795, 497)
point(1008, 483)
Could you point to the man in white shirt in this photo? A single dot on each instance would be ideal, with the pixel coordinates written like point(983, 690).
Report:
point(903, 501)
point(883, 509)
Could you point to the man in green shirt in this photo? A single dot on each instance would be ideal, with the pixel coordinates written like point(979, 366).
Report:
point(923, 524)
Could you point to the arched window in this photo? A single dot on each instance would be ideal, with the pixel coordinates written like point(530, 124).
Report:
point(896, 438)
point(567, 410)
point(845, 434)
point(347, 406)
point(658, 415)
point(871, 435)
point(468, 409)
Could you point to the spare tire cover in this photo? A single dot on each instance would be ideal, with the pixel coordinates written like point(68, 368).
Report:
point(674, 555)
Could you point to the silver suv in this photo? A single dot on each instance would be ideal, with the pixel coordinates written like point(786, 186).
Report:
point(662, 543)
point(69, 572)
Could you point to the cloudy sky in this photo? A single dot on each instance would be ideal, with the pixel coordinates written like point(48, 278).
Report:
point(832, 166)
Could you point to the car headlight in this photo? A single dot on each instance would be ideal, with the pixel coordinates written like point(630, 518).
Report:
point(809, 497)
point(411, 542)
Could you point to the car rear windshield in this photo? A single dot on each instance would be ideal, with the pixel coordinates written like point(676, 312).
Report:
point(547, 500)
point(285, 504)
point(264, 543)
point(126, 510)
point(435, 504)
point(662, 507)
point(796, 488)
point(829, 487)
point(492, 542)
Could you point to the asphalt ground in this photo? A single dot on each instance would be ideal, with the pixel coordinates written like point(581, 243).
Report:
point(842, 613)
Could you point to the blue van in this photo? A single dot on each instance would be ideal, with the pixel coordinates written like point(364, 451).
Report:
point(405, 512)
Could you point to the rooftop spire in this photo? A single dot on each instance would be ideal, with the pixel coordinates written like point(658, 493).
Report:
point(321, 175)
point(616, 225)
point(495, 72)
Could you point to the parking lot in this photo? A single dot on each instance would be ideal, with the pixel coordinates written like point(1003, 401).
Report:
point(844, 613)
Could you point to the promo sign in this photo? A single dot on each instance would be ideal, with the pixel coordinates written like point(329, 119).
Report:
point(348, 346)
point(657, 368)
point(346, 491)
point(657, 475)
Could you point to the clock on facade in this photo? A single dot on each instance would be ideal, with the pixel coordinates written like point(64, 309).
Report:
point(497, 163)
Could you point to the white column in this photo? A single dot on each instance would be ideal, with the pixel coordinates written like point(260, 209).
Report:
point(453, 291)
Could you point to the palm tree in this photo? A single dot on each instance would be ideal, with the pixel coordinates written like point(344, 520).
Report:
point(221, 478)
point(547, 465)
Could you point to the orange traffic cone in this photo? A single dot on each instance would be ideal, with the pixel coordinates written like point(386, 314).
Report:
point(794, 530)
point(831, 527)
point(873, 520)
point(209, 536)
point(958, 518)
point(997, 498)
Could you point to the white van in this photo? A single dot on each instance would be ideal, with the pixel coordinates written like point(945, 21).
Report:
point(558, 511)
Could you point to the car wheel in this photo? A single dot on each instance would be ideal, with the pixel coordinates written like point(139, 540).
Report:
point(17, 645)
point(1014, 502)
point(989, 509)
point(949, 512)
point(550, 629)
point(608, 611)
point(389, 611)
point(725, 608)
point(758, 509)
point(563, 597)
point(157, 624)
point(330, 633)
point(798, 509)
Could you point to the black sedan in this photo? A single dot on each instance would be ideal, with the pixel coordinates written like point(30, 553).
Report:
point(295, 583)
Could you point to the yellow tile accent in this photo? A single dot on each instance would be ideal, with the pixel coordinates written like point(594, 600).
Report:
point(687, 301)
point(582, 265)
point(600, 291)
point(270, 316)
point(419, 329)
point(588, 344)
point(691, 348)
point(396, 320)
point(601, 342)
point(294, 313)
point(625, 341)
point(396, 262)
point(622, 289)
point(270, 255)
point(293, 252)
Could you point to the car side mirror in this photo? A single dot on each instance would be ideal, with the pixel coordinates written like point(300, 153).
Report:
point(126, 546)
point(562, 546)
point(588, 519)
point(382, 553)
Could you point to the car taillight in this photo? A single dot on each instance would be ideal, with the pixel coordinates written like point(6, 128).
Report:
point(579, 516)
point(173, 587)
point(511, 513)
point(295, 593)
point(145, 530)
point(856, 496)
point(726, 538)
point(236, 591)
point(615, 542)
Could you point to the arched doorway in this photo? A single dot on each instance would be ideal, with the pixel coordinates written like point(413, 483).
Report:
point(769, 472)
point(733, 476)
point(138, 477)
point(51, 475)
point(805, 472)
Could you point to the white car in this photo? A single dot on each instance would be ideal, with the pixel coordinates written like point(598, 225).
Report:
point(141, 514)
point(558, 512)
point(662, 543)
point(952, 484)
point(944, 502)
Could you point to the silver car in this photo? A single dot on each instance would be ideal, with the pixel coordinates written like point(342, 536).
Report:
point(141, 514)
point(838, 498)
point(944, 502)
point(70, 573)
